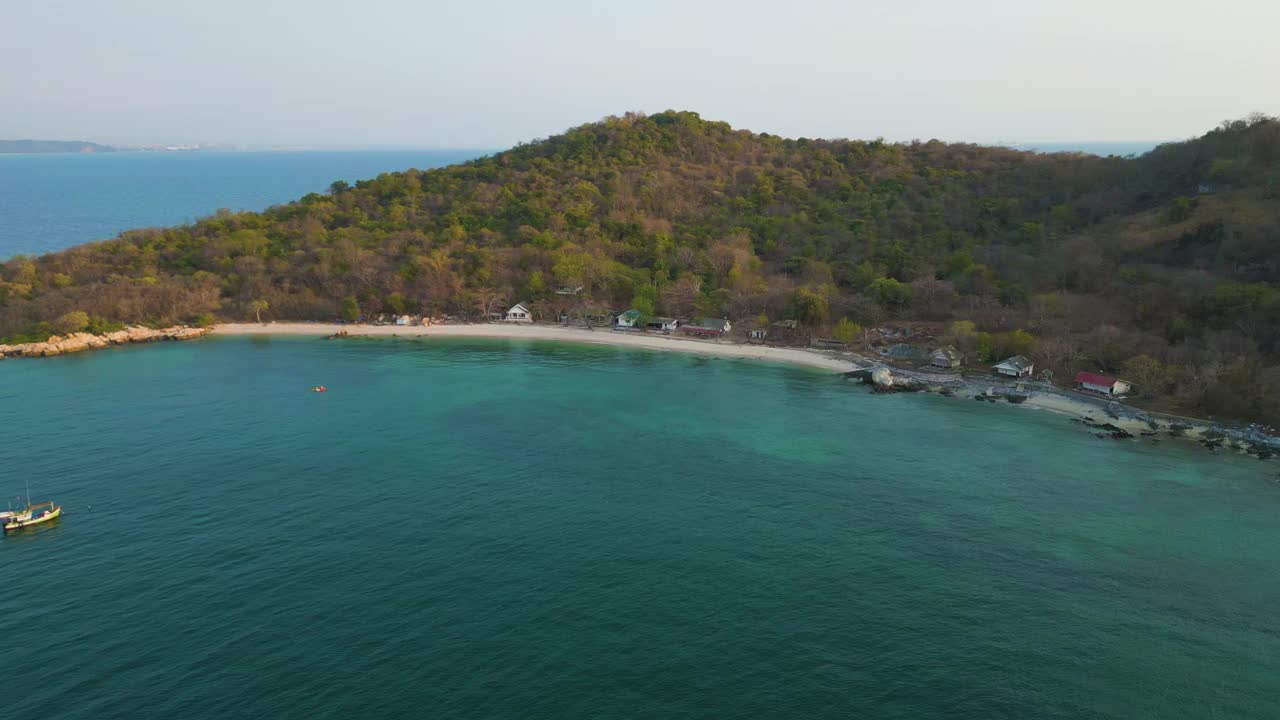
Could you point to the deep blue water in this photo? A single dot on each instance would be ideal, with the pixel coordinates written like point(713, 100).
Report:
point(52, 202)
point(488, 529)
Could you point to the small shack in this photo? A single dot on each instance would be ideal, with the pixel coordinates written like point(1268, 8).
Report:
point(946, 357)
point(627, 319)
point(1017, 366)
point(662, 324)
point(1102, 384)
point(708, 327)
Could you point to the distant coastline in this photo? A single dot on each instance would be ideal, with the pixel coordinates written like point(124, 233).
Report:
point(40, 147)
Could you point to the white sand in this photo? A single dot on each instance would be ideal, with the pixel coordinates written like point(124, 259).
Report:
point(795, 356)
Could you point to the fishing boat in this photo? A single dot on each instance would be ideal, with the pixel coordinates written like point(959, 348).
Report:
point(31, 515)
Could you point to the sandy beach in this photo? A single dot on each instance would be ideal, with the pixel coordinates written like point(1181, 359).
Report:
point(795, 356)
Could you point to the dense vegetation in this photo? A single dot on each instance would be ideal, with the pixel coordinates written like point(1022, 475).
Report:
point(1162, 268)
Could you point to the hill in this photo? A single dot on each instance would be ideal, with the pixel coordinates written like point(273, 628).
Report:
point(1163, 268)
point(51, 146)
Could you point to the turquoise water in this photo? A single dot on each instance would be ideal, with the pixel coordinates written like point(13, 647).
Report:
point(52, 202)
point(469, 529)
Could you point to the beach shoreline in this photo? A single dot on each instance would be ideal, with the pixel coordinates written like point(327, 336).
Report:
point(1100, 416)
point(601, 336)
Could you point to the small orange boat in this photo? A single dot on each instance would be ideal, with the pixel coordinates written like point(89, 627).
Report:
point(319, 388)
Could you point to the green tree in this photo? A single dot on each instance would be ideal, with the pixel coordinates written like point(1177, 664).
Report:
point(808, 307)
point(1180, 209)
point(256, 307)
point(645, 300)
point(1016, 342)
point(1150, 376)
point(350, 309)
point(984, 346)
point(889, 292)
point(847, 330)
point(72, 322)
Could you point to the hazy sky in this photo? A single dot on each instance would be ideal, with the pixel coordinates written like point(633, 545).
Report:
point(489, 74)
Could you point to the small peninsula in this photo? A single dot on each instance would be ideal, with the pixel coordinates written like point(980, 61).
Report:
point(1158, 272)
point(31, 147)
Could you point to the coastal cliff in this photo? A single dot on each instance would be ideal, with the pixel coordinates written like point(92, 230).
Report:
point(79, 342)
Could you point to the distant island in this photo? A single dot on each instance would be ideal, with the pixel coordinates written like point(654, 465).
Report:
point(27, 147)
point(1159, 272)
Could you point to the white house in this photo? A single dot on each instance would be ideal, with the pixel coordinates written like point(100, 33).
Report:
point(518, 313)
point(627, 319)
point(1016, 366)
point(663, 324)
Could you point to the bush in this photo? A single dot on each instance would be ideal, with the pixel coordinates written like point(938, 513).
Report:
point(72, 322)
point(847, 331)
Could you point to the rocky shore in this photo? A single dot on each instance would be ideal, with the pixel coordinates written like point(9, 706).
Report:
point(1102, 417)
point(79, 342)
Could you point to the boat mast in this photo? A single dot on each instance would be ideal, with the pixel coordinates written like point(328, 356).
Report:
point(28, 491)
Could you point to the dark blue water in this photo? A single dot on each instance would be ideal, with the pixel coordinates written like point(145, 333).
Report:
point(51, 202)
point(487, 529)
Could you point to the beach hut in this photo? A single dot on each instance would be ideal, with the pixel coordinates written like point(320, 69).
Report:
point(1016, 366)
point(662, 324)
point(1103, 384)
point(708, 327)
point(627, 319)
point(519, 313)
point(946, 357)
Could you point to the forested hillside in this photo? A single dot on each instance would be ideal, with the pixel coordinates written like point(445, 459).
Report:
point(1164, 268)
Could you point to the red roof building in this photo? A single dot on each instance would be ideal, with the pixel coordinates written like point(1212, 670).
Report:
point(1104, 384)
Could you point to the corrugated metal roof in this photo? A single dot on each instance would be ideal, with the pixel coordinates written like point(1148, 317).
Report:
point(1094, 379)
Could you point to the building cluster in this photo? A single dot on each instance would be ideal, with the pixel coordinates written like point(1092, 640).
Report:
point(945, 358)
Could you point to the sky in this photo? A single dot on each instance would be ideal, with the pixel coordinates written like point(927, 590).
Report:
point(420, 73)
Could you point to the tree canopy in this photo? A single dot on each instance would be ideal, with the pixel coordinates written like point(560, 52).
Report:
point(1170, 256)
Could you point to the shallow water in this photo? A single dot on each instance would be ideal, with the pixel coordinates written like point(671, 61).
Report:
point(463, 528)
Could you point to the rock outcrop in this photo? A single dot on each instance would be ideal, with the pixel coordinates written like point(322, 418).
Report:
point(78, 342)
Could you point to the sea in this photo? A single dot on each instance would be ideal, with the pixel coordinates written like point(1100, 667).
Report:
point(54, 201)
point(464, 528)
